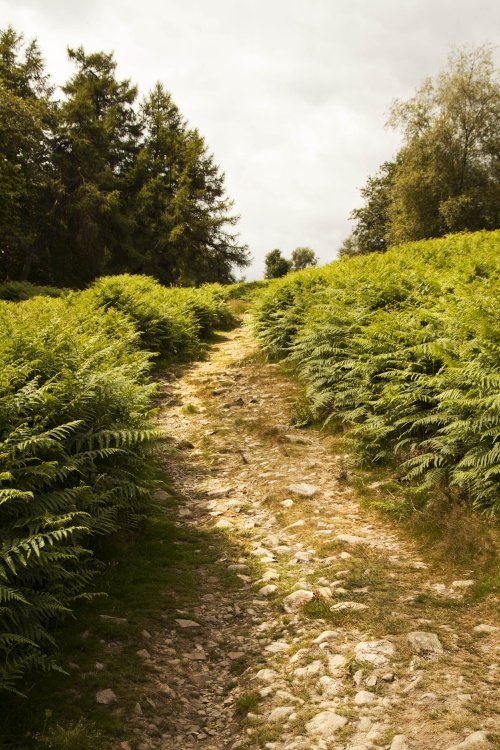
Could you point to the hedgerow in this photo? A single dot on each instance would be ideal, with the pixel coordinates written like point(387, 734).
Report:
point(77, 443)
point(404, 348)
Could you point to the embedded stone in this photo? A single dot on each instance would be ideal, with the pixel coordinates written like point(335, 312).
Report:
point(303, 489)
point(105, 697)
point(297, 600)
point(325, 724)
point(376, 653)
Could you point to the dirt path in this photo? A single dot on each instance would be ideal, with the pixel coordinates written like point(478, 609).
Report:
point(301, 637)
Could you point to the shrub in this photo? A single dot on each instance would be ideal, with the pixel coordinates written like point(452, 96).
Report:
point(404, 348)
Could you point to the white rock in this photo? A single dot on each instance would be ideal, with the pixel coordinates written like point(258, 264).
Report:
point(377, 653)
point(355, 606)
point(280, 713)
point(268, 590)
point(335, 662)
point(223, 524)
point(270, 575)
point(287, 503)
point(363, 698)
point(424, 643)
point(143, 653)
point(314, 668)
point(350, 539)
point(187, 624)
point(324, 592)
point(484, 628)
point(345, 556)
point(399, 742)
point(326, 635)
point(266, 675)
point(330, 687)
point(105, 697)
point(463, 584)
point(477, 740)
point(325, 724)
point(297, 600)
point(277, 646)
point(302, 489)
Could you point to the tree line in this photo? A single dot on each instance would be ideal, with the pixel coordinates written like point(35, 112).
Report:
point(99, 181)
point(445, 177)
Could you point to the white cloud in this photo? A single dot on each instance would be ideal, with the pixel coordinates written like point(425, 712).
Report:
point(291, 95)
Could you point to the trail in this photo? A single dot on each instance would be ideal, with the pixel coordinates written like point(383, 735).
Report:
point(304, 642)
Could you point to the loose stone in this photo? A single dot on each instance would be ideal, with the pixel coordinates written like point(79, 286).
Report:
point(477, 740)
point(425, 644)
point(105, 697)
point(303, 490)
point(280, 713)
point(297, 600)
point(187, 624)
point(364, 698)
point(399, 742)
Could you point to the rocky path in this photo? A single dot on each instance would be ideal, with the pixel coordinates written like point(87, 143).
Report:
point(320, 627)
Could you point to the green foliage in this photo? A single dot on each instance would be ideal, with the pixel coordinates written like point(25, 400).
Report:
point(276, 265)
point(404, 348)
point(77, 441)
point(15, 291)
point(303, 257)
point(445, 177)
point(96, 183)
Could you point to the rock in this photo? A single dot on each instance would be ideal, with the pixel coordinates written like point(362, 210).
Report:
point(161, 495)
point(288, 503)
point(330, 687)
point(235, 655)
point(425, 644)
point(105, 697)
point(223, 524)
point(268, 590)
point(280, 713)
point(303, 490)
point(270, 575)
point(350, 539)
point(376, 653)
point(388, 677)
point(342, 606)
point(326, 635)
point(314, 668)
point(277, 646)
point(345, 556)
point(197, 655)
point(187, 624)
point(325, 724)
point(324, 592)
point(336, 662)
point(297, 600)
point(399, 742)
point(146, 634)
point(364, 698)
point(239, 567)
point(463, 584)
point(484, 628)
point(475, 740)
point(266, 675)
point(143, 653)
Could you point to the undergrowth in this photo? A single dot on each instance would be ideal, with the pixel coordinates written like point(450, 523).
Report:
point(403, 348)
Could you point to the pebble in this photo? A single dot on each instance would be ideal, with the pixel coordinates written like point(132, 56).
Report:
point(303, 489)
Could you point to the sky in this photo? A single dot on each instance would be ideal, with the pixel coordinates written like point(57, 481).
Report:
point(291, 96)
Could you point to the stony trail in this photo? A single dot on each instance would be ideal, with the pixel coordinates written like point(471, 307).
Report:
point(326, 629)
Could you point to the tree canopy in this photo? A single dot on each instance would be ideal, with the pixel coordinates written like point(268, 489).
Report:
point(445, 178)
point(100, 182)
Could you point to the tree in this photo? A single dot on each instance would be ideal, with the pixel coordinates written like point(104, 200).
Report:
point(447, 175)
point(303, 257)
point(26, 169)
point(96, 147)
point(183, 228)
point(369, 233)
point(276, 265)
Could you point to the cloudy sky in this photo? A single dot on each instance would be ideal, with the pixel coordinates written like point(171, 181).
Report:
point(290, 95)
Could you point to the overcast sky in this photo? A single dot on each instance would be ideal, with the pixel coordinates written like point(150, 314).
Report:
point(290, 95)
